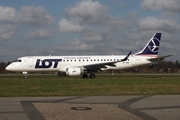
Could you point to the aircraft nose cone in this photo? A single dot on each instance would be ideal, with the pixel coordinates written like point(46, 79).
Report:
point(8, 68)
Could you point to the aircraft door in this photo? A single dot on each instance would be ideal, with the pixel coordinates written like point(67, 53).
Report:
point(133, 60)
point(30, 61)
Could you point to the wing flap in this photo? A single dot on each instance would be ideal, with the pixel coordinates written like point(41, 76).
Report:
point(100, 65)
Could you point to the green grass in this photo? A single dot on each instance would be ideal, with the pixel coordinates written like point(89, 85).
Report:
point(52, 85)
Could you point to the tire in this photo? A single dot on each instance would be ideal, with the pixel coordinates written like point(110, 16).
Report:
point(84, 76)
point(92, 75)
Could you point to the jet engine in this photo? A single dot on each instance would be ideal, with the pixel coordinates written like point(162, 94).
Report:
point(73, 71)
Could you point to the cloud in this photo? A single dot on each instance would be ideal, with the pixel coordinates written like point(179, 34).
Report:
point(29, 15)
point(8, 14)
point(162, 5)
point(119, 22)
point(40, 34)
point(88, 27)
point(75, 45)
point(88, 12)
point(83, 18)
point(153, 23)
point(82, 14)
point(35, 16)
point(69, 26)
point(94, 26)
point(7, 31)
point(11, 18)
point(91, 36)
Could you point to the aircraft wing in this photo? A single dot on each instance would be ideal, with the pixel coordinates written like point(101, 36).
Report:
point(159, 58)
point(98, 66)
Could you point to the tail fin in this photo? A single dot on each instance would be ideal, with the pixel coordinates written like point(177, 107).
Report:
point(152, 47)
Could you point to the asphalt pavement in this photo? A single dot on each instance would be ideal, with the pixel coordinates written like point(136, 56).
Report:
point(158, 107)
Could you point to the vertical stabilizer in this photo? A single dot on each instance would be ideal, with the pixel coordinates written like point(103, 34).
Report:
point(152, 47)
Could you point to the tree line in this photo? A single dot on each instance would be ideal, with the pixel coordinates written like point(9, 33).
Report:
point(159, 67)
point(2, 67)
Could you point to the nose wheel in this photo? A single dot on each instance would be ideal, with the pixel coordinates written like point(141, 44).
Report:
point(25, 75)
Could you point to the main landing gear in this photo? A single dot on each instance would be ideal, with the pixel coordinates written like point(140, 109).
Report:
point(92, 75)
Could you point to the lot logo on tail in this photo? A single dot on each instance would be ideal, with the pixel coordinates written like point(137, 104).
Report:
point(154, 45)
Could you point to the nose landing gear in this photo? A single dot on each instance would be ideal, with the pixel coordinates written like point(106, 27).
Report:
point(25, 75)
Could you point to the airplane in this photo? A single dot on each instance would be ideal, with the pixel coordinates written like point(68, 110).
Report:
point(84, 65)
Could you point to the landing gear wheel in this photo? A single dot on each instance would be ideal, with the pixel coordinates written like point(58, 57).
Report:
point(25, 74)
point(84, 76)
point(92, 75)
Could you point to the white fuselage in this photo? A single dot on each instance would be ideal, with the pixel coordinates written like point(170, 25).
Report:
point(61, 63)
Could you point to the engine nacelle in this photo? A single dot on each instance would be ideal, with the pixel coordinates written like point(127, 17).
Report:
point(73, 71)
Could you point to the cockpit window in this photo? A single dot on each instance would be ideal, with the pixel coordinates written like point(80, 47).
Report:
point(19, 60)
point(14, 61)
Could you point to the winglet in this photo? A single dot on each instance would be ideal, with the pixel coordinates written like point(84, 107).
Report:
point(124, 59)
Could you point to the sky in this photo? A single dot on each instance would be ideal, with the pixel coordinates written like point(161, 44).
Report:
point(87, 27)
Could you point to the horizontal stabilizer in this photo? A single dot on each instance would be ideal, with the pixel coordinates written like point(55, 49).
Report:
point(159, 58)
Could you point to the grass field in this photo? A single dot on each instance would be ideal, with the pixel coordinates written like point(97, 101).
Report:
point(52, 85)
